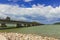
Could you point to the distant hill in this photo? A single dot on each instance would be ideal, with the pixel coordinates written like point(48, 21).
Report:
point(57, 23)
point(37, 23)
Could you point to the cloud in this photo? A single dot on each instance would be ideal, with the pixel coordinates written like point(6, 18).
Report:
point(20, 0)
point(27, 0)
point(48, 13)
point(14, 0)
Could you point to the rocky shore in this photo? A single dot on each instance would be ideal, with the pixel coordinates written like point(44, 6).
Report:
point(19, 36)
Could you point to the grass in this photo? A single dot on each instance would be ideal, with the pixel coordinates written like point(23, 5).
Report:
point(44, 30)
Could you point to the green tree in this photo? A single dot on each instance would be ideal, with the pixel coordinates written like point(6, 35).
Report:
point(7, 18)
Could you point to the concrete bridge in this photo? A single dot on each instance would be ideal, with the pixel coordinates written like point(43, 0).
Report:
point(3, 23)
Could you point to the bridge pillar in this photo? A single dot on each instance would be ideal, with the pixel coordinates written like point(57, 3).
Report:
point(25, 25)
point(3, 25)
point(33, 25)
point(29, 25)
point(20, 25)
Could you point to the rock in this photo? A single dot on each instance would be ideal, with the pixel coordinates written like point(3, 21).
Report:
point(18, 36)
point(2, 37)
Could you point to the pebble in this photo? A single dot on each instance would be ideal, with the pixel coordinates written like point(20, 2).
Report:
point(18, 36)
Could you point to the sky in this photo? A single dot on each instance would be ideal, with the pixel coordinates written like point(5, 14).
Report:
point(42, 11)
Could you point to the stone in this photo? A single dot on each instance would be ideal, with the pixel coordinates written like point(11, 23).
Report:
point(2, 37)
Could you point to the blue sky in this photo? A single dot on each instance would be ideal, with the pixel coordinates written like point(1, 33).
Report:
point(43, 11)
point(53, 3)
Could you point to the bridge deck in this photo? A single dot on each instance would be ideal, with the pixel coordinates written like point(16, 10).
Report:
point(13, 21)
point(18, 23)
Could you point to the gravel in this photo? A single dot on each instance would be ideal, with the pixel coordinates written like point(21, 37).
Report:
point(19, 36)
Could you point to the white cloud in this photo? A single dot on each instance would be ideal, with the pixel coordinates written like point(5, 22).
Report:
point(14, 0)
point(27, 0)
point(47, 11)
point(20, 0)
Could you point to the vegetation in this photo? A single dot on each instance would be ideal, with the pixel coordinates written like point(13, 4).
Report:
point(8, 18)
point(57, 23)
